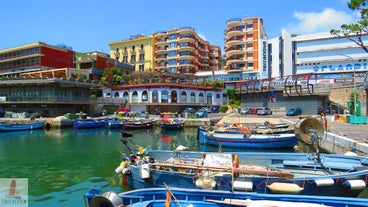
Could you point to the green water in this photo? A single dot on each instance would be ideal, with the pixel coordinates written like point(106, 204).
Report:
point(61, 165)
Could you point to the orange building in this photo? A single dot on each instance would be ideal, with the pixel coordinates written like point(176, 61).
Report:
point(243, 38)
point(182, 50)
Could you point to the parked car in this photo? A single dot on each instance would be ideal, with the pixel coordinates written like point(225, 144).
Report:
point(202, 113)
point(215, 110)
point(325, 109)
point(245, 111)
point(253, 111)
point(264, 111)
point(294, 112)
point(188, 111)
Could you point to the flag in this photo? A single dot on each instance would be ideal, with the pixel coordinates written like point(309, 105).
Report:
point(168, 199)
point(273, 96)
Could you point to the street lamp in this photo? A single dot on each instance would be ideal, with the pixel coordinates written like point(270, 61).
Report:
point(354, 83)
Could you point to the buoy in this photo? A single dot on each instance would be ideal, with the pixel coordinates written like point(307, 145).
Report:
point(289, 188)
point(206, 183)
point(119, 169)
point(145, 171)
point(243, 185)
point(355, 184)
point(324, 182)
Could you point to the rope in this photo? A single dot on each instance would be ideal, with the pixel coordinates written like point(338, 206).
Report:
point(171, 193)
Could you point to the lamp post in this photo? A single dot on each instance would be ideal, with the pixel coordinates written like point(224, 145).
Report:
point(354, 83)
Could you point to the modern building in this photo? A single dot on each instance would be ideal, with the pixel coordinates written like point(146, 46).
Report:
point(53, 80)
point(137, 51)
point(33, 57)
point(244, 46)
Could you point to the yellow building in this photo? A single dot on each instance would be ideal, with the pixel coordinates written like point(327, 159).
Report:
point(136, 51)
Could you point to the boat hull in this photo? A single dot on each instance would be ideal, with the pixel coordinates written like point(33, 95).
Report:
point(202, 198)
point(6, 127)
point(236, 139)
point(309, 177)
point(178, 126)
point(88, 123)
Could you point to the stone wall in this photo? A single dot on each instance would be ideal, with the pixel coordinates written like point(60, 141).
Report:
point(342, 95)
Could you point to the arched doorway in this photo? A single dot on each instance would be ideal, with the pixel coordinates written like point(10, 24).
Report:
point(183, 97)
point(201, 97)
point(155, 96)
point(164, 96)
point(209, 98)
point(174, 96)
point(116, 95)
point(192, 97)
point(144, 96)
point(135, 97)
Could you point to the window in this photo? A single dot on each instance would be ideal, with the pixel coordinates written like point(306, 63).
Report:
point(172, 44)
point(172, 37)
point(141, 67)
point(172, 62)
point(141, 56)
point(172, 54)
point(132, 58)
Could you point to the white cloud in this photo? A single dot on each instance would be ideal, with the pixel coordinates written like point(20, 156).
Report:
point(314, 22)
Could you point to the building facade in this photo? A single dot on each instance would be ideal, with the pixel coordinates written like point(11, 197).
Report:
point(176, 51)
point(136, 51)
point(243, 46)
point(35, 56)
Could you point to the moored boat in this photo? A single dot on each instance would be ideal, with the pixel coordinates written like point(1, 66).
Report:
point(22, 125)
point(88, 123)
point(210, 198)
point(138, 124)
point(172, 124)
point(262, 172)
point(245, 139)
point(114, 124)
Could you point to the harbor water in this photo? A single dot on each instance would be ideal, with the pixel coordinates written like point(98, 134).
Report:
point(62, 164)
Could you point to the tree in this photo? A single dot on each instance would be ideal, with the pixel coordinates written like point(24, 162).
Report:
point(112, 76)
point(355, 31)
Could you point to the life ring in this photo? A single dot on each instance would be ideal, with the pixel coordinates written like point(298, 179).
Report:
point(211, 131)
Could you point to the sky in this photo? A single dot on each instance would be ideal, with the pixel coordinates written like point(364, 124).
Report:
point(91, 25)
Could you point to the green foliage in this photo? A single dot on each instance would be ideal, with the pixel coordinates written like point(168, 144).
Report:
point(234, 98)
point(93, 97)
point(111, 76)
point(217, 84)
point(355, 31)
point(223, 108)
point(354, 96)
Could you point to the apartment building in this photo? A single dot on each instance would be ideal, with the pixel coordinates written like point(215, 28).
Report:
point(243, 46)
point(136, 51)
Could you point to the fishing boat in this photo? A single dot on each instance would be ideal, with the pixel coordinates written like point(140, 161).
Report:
point(88, 123)
point(138, 124)
point(114, 124)
point(210, 198)
point(245, 139)
point(262, 172)
point(172, 124)
point(21, 125)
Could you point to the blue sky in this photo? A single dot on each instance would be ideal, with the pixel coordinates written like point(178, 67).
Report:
point(91, 25)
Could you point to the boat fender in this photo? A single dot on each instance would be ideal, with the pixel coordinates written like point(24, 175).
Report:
point(243, 185)
point(211, 131)
point(206, 183)
point(126, 171)
point(289, 188)
point(247, 135)
point(324, 182)
point(145, 171)
point(355, 184)
point(119, 169)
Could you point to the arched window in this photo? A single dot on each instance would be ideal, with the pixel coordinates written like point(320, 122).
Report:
point(135, 97)
point(164, 96)
point(183, 97)
point(192, 97)
point(201, 97)
point(209, 98)
point(174, 96)
point(126, 96)
point(144, 96)
point(154, 96)
point(108, 95)
point(116, 95)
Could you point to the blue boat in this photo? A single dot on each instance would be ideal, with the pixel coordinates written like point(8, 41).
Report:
point(114, 124)
point(261, 172)
point(210, 198)
point(21, 126)
point(239, 139)
point(88, 123)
